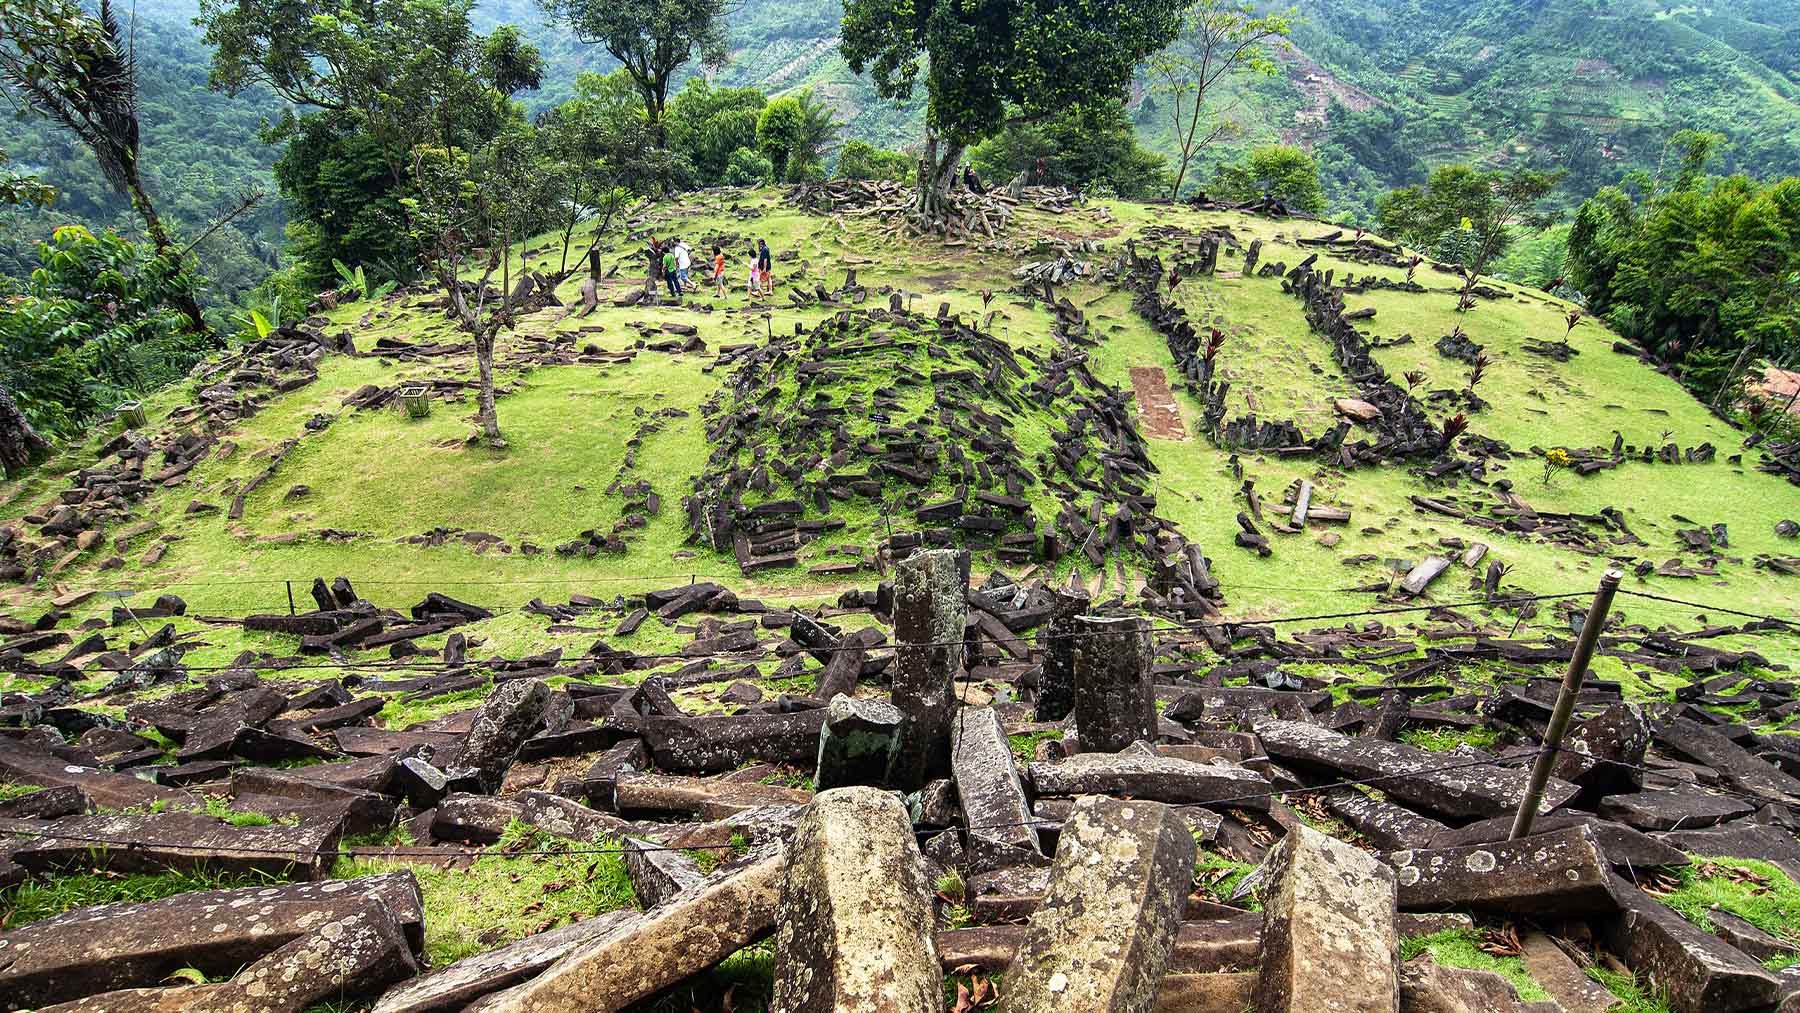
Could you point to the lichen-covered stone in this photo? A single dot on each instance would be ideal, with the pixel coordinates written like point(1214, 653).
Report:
point(1101, 940)
point(855, 930)
point(1562, 872)
point(1407, 774)
point(856, 743)
point(117, 946)
point(1056, 680)
point(1698, 972)
point(987, 782)
point(1426, 987)
point(1328, 938)
point(1140, 773)
point(1604, 754)
point(505, 721)
point(930, 609)
point(471, 978)
point(1115, 695)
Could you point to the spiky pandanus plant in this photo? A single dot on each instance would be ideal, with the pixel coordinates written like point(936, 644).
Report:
point(80, 71)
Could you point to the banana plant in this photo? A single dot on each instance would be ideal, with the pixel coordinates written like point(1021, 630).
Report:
point(254, 320)
point(356, 282)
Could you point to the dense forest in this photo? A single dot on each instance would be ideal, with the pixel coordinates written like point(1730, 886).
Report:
point(278, 148)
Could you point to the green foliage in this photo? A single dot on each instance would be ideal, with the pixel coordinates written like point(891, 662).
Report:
point(1695, 273)
point(862, 160)
point(651, 39)
point(1085, 146)
point(1635, 997)
point(1439, 740)
point(1286, 173)
point(94, 325)
point(706, 125)
point(1459, 199)
point(17, 189)
point(793, 133)
point(605, 123)
point(747, 168)
point(356, 284)
point(1462, 948)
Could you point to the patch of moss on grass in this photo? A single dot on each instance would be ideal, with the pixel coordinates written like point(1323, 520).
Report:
point(1462, 948)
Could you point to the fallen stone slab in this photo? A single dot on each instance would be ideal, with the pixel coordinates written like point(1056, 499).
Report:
point(1328, 940)
point(1747, 937)
point(1426, 987)
point(1568, 984)
point(1624, 847)
point(646, 954)
point(177, 841)
point(1140, 773)
point(1225, 992)
point(706, 798)
point(1102, 937)
point(1685, 808)
point(723, 742)
point(104, 788)
point(856, 913)
point(1201, 947)
point(1409, 775)
point(658, 873)
point(472, 978)
point(364, 810)
point(116, 946)
point(483, 819)
point(987, 781)
point(1740, 770)
point(1698, 972)
point(1562, 872)
point(1382, 823)
point(1743, 839)
point(46, 804)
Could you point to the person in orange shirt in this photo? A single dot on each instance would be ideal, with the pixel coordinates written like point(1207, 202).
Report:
point(718, 272)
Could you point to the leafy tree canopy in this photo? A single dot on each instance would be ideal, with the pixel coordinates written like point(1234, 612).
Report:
point(651, 39)
point(707, 124)
point(793, 132)
point(862, 160)
point(1089, 145)
point(1286, 173)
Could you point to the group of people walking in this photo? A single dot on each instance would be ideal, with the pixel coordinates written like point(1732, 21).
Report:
point(672, 261)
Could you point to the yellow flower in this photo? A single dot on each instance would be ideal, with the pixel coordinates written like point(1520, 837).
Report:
point(1558, 457)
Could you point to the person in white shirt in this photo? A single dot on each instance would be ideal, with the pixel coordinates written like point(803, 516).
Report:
point(684, 260)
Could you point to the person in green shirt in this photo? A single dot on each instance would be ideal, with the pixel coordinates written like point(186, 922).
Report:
point(671, 273)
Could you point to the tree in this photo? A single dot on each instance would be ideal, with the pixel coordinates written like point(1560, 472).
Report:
point(1707, 275)
point(1220, 38)
point(409, 71)
point(1490, 201)
point(862, 160)
point(580, 185)
point(1089, 145)
point(375, 79)
point(608, 117)
point(1285, 173)
point(747, 168)
point(76, 70)
point(794, 132)
point(464, 204)
point(707, 124)
point(652, 39)
point(990, 62)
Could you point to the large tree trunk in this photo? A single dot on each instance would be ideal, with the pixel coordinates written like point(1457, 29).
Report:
point(159, 237)
point(20, 444)
point(937, 175)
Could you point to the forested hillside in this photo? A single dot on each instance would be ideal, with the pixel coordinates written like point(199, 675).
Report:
point(1380, 91)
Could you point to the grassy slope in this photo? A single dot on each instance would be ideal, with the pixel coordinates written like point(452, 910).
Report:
point(388, 478)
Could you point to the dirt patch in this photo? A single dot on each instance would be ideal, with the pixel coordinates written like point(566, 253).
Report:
point(1157, 409)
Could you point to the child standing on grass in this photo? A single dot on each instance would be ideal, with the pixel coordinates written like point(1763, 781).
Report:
point(718, 267)
point(755, 274)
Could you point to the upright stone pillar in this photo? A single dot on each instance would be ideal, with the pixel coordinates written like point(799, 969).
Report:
point(1115, 694)
point(930, 611)
point(856, 742)
point(1056, 682)
point(855, 930)
point(1328, 938)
